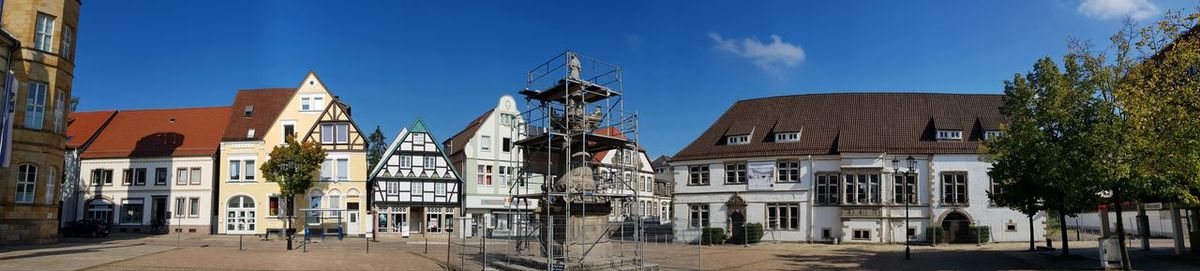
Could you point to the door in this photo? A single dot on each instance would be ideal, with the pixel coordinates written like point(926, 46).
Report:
point(159, 219)
point(352, 221)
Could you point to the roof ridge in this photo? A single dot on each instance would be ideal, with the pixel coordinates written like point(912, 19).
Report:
point(164, 109)
point(264, 89)
point(870, 93)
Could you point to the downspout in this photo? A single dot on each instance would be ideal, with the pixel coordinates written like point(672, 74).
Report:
point(929, 190)
point(812, 184)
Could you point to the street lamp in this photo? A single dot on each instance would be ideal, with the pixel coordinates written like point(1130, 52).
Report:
point(912, 167)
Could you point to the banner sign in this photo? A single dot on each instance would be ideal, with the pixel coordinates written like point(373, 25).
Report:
point(760, 175)
point(8, 106)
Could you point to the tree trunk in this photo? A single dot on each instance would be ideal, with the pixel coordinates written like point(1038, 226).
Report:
point(1032, 246)
point(1121, 231)
point(288, 221)
point(1062, 231)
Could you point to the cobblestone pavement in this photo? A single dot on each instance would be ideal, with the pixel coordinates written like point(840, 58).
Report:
point(219, 252)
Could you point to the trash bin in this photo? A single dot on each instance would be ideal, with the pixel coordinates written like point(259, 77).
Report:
point(1110, 253)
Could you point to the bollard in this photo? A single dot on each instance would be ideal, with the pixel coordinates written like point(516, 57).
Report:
point(368, 244)
point(240, 242)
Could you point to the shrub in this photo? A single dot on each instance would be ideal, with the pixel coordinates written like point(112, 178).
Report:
point(712, 236)
point(753, 232)
point(980, 234)
point(935, 234)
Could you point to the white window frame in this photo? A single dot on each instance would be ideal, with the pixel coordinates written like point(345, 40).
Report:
point(59, 111)
point(64, 48)
point(993, 134)
point(180, 206)
point(788, 171)
point(737, 139)
point(735, 172)
point(26, 188)
point(194, 178)
point(787, 137)
point(406, 161)
point(699, 175)
point(418, 139)
point(485, 143)
point(314, 102)
point(828, 188)
point(430, 162)
point(699, 216)
point(35, 105)
point(193, 207)
point(949, 135)
point(953, 196)
point(43, 38)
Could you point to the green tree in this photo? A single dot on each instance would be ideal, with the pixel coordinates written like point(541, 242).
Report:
point(376, 146)
point(293, 166)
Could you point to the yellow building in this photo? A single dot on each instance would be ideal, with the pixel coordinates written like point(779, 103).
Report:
point(248, 204)
point(41, 57)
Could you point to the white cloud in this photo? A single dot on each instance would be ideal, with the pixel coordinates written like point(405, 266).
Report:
point(1116, 9)
point(772, 57)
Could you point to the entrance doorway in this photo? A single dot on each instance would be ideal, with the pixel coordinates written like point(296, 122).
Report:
point(737, 222)
point(955, 224)
point(158, 221)
point(352, 219)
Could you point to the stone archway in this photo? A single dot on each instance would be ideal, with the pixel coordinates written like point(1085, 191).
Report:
point(735, 215)
point(955, 223)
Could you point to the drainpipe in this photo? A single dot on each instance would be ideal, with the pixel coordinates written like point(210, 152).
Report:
point(812, 188)
point(929, 191)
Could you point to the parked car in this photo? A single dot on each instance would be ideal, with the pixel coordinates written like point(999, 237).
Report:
point(86, 227)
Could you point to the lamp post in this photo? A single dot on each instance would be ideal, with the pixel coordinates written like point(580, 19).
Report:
point(912, 167)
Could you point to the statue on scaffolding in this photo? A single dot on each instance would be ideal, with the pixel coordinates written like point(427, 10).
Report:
point(573, 66)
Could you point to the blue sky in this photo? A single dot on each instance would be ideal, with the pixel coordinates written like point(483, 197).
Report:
point(684, 62)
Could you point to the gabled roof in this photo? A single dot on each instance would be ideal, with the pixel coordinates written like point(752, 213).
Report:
point(161, 133)
point(462, 137)
point(267, 104)
point(661, 161)
point(849, 122)
point(418, 126)
point(82, 127)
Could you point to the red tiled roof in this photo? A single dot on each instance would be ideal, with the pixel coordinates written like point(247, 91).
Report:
point(462, 137)
point(83, 126)
point(849, 122)
point(267, 104)
point(161, 133)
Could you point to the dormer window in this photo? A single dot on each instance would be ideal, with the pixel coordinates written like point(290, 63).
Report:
point(738, 139)
point(787, 137)
point(990, 135)
point(249, 110)
point(949, 135)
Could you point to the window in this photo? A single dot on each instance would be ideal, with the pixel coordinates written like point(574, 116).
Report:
point(789, 171)
point(735, 173)
point(507, 119)
point(787, 137)
point(26, 183)
point(249, 167)
point(327, 133)
point(827, 189)
point(949, 135)
point(488, 177)
point(64, 49)
point(480, 174)
point(181, 176)
point(738, 139)
point(335, 133)
point(312, 103)
point(416, 189)
point(954, 188)
point(43, 37)
point(59, 124)
point(195, 176)
point(248, 111)
point(990, 135)
point(235, 170)
point(430, 161)
point(698, 215)
point(997, 189)
point(418, 139)
point(160, 176)
point(139, 176)
point(250, 133)
point(35, 106)
point(485, 143)
point(503, 175)
point(100, 209)
point(127, 177)
point(239, 217)
point(51, 180)
point(327, 170)
point(698, 175)
point(131, 211)
point(507, 144)
point(194, 210)
point(904, 186)
point(179, 205)
point(439, 189)
point(102, 177)
point(1010, 227)
point(826, 233)
point(393, 188)
point(289, 130)
point(335, 201)
point(783, 216)
point(273, 206)
point(405, 161)
point(343, 169)
point(862, 188)
point(862, 234)
point(343, 133)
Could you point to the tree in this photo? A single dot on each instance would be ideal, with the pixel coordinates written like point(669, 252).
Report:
point(1016, 156)
point(376, 146)
point(293, 166)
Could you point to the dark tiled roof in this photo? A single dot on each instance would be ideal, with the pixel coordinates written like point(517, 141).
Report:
point(268, 103)
point(161, 133)
point(849, 122)
point(83, 126)
point(661, 161)
point(462, 137)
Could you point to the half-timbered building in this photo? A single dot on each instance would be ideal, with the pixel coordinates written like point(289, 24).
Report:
point(416, 188)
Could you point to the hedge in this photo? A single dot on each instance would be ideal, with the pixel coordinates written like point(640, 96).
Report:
point(754, 232)
point(712, 236)
point(980, 234)
point(935, 234)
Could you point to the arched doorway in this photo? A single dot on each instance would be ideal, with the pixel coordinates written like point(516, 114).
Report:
point(955, 224)
point(240, 218)
point(736, 215)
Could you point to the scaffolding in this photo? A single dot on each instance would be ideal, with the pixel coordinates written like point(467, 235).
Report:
point(574, 114)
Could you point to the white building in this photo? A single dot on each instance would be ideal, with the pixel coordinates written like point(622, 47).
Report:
point(152, 170)
point(490, 164)
point(416, 188)
point(82, 130)
point(638, 174)
point(819, 167)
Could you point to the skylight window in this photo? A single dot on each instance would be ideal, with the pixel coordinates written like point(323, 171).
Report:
point(949, 135)
point(787, 137)
point(738, 139)
point(248, 111)
point(250, 133)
